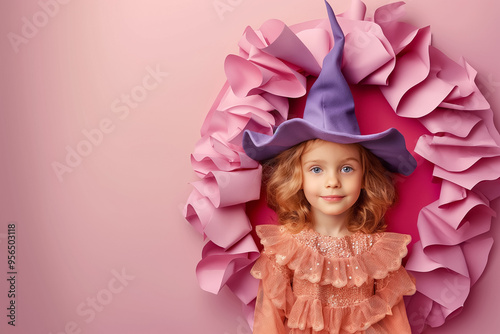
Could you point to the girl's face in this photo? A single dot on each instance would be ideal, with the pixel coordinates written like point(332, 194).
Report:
point(332, 177)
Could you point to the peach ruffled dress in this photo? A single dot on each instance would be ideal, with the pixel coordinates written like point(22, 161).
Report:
point(311, 283)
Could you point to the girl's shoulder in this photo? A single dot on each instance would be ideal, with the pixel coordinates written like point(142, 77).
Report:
point(323, 258)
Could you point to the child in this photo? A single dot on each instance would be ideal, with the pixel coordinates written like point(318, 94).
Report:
point(329, 267)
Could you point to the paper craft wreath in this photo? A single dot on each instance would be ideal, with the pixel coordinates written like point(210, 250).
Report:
point(390, 65)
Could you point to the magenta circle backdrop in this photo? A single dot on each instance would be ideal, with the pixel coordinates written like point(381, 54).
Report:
point(398, 79)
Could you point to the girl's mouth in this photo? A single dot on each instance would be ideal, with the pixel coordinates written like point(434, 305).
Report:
point(332, 198)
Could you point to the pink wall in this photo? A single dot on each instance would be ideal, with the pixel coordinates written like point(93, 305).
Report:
point(102, 245)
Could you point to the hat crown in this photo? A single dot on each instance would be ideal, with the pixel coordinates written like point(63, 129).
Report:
point(330, 104)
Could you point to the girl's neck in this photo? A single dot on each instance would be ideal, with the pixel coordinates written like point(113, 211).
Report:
point(333, 226)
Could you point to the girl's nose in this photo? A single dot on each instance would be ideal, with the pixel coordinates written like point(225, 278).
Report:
point(332, 181)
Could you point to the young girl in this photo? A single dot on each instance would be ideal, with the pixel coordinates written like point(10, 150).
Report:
point(329, 267)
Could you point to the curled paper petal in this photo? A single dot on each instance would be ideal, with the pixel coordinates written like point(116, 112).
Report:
point(476, 254)
point(457, 123)
point(269, 78)
point(211, 154)
point(218, 264)
point(449, 225)
point(318, 41)
point(486, 169)
point(244, 285)
point(424, 97)
point(398, 33)
point(454, 154)
point(450, 192)
point(466, 95)
point(361, 38)
point(285, 45)
point(211, 222)
point(224, 188)
point(254, 107)
point(416, 61)
point(441, 289)
point(490, 189)
point(263, 73)
point(196, 210)
point(356, 12)
point(222, 234)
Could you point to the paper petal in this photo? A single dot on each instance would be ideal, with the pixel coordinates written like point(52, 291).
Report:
point(218, 265)
point(412, 68)
point(457, 123)
point(225, 188)
point(285, 45)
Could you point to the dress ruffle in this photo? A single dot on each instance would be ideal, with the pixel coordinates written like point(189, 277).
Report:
point(283, 257)
point(276, 282)
point(385, 256)
point(310, 313)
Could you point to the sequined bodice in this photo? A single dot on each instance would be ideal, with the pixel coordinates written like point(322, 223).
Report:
point(332, 296)
point(333, 247)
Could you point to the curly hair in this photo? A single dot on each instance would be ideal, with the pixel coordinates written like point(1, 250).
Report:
point(282, 176)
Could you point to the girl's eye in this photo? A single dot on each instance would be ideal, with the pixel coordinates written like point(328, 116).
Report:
point(316, 170)
point(347, 169)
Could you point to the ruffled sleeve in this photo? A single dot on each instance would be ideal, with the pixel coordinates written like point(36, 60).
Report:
point(391, 289)
point(275, 296)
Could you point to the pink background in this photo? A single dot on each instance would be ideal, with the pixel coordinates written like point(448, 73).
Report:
point(119, 209)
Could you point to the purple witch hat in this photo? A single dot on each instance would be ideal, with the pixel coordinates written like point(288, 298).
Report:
point(329, 115)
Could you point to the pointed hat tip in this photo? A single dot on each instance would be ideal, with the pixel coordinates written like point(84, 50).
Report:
point(330, 104)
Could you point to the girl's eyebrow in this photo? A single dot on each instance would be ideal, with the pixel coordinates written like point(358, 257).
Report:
point(313, 161)
point(351, 158)
point(324, 161)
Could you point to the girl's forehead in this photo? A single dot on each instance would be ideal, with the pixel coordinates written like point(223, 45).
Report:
point(325, 149)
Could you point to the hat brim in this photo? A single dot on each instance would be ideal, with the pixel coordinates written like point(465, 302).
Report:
point(389, 146)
